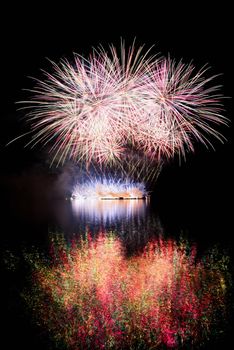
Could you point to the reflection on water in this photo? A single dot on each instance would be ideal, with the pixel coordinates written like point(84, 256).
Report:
point(109, 211)
point(135, 223)
point(132, 220)
point(164, 297)
point(35, 212)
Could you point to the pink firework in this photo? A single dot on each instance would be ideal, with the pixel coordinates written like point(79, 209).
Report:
point(102, 108)
point(180, 108)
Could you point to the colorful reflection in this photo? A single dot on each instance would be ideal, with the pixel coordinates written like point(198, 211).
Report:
point(90, 296)
point(97, 210)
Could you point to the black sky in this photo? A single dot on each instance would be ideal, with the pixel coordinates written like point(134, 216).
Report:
point(29, 35)
point(32, 33)
point(198, 192)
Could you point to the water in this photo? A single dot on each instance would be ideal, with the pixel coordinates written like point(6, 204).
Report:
point(31, 215)
point(34, 205)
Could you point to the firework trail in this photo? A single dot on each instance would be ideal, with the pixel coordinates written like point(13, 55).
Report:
point(108, 107)
point(180, 108)
point(83, 108)
point(90, 296)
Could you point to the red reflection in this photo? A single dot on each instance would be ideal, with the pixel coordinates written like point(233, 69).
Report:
point(91, 296)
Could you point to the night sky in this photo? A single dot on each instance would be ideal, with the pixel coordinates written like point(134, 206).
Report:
point(196, 195)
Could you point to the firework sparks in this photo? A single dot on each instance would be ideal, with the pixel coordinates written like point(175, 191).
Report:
point(103, 108)
point(109, 189)
point(180, 108)
point(164, 297)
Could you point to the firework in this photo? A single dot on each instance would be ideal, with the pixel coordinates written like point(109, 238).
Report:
point(83, 108)
point(106, 107)
point(180, 108)
point(91, 297)
point(108, 188)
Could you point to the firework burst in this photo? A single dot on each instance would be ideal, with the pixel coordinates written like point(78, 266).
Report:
point(106, 107)
point(180, 108)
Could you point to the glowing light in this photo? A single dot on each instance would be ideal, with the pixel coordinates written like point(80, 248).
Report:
point(103, 108)
point(90, 296)
point(108, 188)
point(103, 211)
